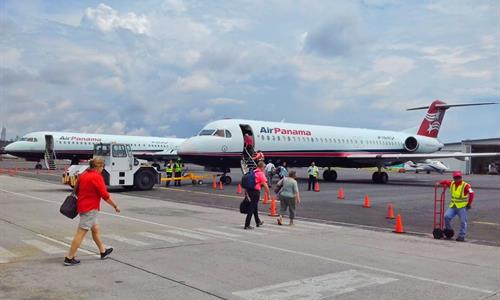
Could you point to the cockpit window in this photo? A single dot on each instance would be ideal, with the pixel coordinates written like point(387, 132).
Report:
point(206, 132)
point(219, 132)
point(228, 134)
point(29, 139)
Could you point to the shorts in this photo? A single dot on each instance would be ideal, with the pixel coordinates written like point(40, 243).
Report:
point(88, 219)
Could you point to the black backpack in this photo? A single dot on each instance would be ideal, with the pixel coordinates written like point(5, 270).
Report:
point(248, 180)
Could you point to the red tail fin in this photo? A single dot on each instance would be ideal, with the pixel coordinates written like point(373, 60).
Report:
point(432, 122)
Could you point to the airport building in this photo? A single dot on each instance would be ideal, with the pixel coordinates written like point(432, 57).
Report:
point(477, 165)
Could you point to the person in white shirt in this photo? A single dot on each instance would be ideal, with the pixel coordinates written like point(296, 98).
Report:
point(270, 169)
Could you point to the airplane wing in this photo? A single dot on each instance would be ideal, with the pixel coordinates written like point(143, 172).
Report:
point(403, 157)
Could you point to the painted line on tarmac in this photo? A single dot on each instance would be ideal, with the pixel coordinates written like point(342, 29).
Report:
point(313, 288)
point(125, 240)
point(300, 253)
point(65, 244)
point(216, 232)
point(5, 255)
point(201, 193)
point(160, 237)
point(486, 223)
point(42, 246)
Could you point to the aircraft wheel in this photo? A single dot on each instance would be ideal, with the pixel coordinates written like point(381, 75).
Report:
point(376, 177)
point(326, 175)
point(38, 166)
point(428, 172)
point(144, 180)
point(384, 178)
point(226, 180)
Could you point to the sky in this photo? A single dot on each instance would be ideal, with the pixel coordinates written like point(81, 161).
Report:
point(168, 67)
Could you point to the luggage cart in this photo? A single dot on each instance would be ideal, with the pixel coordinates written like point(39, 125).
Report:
point(439, 200)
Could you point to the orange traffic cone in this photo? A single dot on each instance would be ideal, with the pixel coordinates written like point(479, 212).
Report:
point(214, 184)
point(316, 187)
point(399, 225)
point(390, 212)
point(272, 208)
point(341, 194)
point(238, 190)
point(367, 202)
point(221, 186)
point(266, 198)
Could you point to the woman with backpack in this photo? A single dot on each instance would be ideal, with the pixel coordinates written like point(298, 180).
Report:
point(259, 181)
point(288, 191)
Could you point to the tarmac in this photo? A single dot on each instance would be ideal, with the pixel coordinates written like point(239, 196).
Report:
point(189, 243)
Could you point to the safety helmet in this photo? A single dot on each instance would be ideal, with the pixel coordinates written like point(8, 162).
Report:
point(457, 174)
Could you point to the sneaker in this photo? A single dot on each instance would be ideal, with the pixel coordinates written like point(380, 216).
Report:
point(71, 262)
point(260, 223)
point(248, 227)
point(105, 254)
point(460, 239)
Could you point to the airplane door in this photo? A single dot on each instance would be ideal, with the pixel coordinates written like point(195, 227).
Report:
point(246, 129)
point(49, 143)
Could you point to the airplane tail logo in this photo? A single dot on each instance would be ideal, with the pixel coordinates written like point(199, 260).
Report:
point(432, 121)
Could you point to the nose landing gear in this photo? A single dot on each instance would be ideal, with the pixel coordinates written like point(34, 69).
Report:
point(380, 177)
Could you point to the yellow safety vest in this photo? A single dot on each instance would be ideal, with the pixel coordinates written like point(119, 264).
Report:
point(178, 167)
point(458, 198)
point(316, 172)
point(169, 169)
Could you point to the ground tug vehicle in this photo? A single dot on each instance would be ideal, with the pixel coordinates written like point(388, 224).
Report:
point(121, 169)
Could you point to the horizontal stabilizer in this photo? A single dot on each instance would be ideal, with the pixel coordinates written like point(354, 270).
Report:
point(446, 106)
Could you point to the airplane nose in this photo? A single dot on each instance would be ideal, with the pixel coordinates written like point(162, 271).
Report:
point(187, 147)
point(9, 148)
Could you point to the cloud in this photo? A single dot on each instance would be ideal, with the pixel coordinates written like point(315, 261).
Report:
point(228, 25)
point(393, 65)
point(113, 83)
point(225, 101)
point(195, 82)
point(176, 6)
point(198, 115)
point(336, 38)
point(106, 19)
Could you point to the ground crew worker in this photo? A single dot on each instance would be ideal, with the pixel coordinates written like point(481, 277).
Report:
point(169, 169)
point(313, 173)
point(462, 197)
point(178, 169)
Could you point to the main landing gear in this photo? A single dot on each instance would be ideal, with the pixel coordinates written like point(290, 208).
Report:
point(380, 177)
point(38, 166)
point(330, 175)
point(225, 179)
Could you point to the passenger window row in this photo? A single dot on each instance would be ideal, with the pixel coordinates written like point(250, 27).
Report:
point(277, 138)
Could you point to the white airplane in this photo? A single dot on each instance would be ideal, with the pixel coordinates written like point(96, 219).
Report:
point(427, 166)
point(219, 145)
point(48, 146)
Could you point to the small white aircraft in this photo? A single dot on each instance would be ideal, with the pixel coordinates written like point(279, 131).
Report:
point(219, 146)
point(427, 166)
point(48, 146)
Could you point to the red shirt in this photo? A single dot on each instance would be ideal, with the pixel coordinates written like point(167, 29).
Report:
point(467, 190)
point(248, 140)
point(259, 179)
point(91, 188)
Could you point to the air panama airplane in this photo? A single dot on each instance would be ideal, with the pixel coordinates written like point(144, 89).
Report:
point(36, 146)
point(219, 145)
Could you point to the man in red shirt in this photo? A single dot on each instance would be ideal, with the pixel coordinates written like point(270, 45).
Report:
point(90, 188)
point(248, 141)
point(462, 197)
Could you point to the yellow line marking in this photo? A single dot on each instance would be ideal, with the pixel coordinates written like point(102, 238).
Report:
point(486, 223)
point(201, 193)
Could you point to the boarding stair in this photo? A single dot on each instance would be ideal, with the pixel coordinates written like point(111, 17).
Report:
point(49, 158)
point(247, 163)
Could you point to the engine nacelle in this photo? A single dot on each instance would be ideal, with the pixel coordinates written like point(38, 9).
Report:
point(422, 144)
